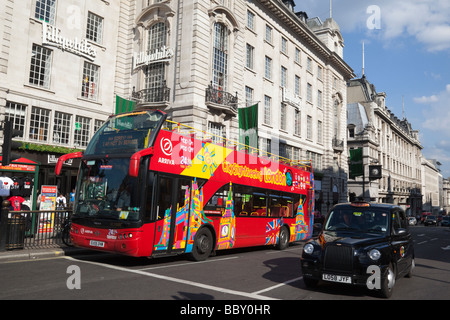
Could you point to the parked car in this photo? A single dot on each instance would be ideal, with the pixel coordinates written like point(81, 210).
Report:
point(412, 221)
point(357, 239)
point(424, 216)
point(445, 221)
point(430, 220)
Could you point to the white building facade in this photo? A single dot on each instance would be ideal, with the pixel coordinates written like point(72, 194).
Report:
point(64, 62)
point(386, 141)
point(57, 70)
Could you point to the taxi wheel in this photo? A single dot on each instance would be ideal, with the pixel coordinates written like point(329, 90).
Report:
point(388, 282)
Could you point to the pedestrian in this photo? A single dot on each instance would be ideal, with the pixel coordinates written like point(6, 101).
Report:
point(61, 202)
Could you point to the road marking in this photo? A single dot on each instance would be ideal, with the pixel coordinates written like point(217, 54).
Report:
point(187, 282)
point(446, 248)
point(423, 242)
point(278, 285)
point(188, 263)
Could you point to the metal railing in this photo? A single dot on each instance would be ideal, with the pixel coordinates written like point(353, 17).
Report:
point(33, 229)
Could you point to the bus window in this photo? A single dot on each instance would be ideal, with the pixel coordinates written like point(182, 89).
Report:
point(249, 201)
point(164, 201)
point(217, 203)
point(149, 213)
point(282, 204)
point(259, 204)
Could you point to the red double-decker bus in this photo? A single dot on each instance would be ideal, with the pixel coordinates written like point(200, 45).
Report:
point(150, 187)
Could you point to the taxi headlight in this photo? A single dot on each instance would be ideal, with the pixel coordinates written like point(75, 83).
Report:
point(308, 248)
point(374, 254)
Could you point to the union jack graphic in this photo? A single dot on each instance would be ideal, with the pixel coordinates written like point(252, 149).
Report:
point(273, 230)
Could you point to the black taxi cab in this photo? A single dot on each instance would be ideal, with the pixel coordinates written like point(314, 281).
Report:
point(362, 243)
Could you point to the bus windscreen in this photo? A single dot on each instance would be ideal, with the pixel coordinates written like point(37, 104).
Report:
point(128, 134)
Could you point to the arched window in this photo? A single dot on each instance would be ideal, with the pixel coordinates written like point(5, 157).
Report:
point(155, 72)
point(220, 57)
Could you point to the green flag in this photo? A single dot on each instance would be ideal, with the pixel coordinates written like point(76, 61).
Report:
point(356, 163)
point(248, 126)
point(124, 105)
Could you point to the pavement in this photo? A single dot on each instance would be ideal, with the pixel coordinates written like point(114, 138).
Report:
point(41, 253)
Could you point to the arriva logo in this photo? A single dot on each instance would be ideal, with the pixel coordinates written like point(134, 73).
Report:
point(166, 146)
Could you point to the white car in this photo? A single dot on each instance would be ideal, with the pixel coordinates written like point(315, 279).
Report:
point(412, 221)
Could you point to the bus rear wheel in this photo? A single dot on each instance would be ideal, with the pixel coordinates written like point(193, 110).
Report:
point(283, 239)
point(203, 245)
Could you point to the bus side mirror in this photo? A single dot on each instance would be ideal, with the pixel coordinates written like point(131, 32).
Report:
point(64, 158)
point(135, 160)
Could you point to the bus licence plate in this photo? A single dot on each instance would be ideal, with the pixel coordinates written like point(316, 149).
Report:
point(336, 278)
point(95, 243)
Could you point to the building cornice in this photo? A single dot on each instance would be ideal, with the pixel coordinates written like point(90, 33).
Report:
point(288, 17)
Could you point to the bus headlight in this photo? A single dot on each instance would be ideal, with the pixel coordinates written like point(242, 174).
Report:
point(374, 254)
point(308, 248)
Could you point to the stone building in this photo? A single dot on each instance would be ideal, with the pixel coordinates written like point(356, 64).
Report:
point(64, 63)
point(388, 143)
point(57, 71)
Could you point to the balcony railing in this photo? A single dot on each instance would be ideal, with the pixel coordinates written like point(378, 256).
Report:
point(220, 99)
point(152, 95)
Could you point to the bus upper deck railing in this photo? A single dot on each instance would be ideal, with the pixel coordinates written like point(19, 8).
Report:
point(205, 136)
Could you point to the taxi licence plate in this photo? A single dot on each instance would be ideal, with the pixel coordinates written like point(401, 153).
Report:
point(336, 278)
point(95, 243)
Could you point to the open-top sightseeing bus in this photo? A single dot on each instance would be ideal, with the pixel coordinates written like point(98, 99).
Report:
point(150, 187)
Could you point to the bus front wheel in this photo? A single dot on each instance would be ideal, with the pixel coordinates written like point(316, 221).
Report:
point(203, 245)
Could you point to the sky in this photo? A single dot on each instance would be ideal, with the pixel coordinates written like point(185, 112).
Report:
point(406, 55)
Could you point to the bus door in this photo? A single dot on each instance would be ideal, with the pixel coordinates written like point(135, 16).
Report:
point(172, 210)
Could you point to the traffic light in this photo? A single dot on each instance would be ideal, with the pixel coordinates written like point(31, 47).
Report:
point(8, 144)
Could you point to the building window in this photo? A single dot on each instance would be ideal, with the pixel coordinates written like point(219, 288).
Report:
point(15, 112)
point(89, 86)
point(284, 45)
point(319, 99)
point(155, 73)
point(283, 117)
point(268, 68)
point(217, 130)
point(61, 127)
point(250, 20)
point(98, 124)
point(309, 92)
point(220, 57)
point(319, 132)
point(157, 37)
point(94, 29)
point(268, 35)
point(267, 109)
point(297, 122)
point(40, 67)
point(82, 129)
point(297, 55)
point(309, 128)
point(283, 77)
point(39, 123)
point(336, 119)
point(248, 96)
point(309, 65)
point(319, 72)
point(266, 146)
point(297, 85)
point(46, 11)
point(250, 56)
